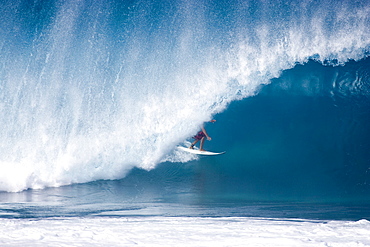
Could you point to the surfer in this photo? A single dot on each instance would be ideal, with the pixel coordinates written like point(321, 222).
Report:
point(201, 137)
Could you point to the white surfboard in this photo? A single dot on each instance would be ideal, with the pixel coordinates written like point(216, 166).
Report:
point(195, 151)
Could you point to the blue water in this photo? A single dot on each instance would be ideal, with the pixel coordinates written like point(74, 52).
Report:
point(96, 95)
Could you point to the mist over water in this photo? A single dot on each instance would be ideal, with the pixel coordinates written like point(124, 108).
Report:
point(91, 89)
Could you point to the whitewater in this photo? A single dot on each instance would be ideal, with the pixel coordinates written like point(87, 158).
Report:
point(153, 231)
point(95, 97)
point(106, 86)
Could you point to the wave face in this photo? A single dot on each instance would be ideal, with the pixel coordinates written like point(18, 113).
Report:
point(304, 137)
point(91, 89)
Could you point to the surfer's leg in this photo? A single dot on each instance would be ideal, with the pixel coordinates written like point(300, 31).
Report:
point(192, 145)
point(201, 144)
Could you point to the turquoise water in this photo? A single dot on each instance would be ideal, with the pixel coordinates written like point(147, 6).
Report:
point(96, 95)
point(290, 154)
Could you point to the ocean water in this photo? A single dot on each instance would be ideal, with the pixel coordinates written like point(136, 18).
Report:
point(95, 97)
